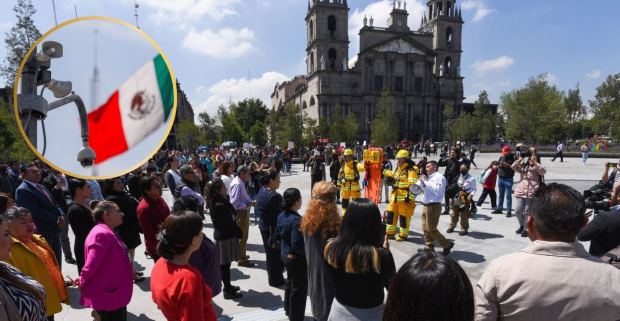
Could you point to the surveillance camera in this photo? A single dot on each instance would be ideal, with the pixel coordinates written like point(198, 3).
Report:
point(86, 156)
point(49, 50)
point(59, 88)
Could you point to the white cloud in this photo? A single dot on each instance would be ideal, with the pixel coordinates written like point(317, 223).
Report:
point(238, 89)
point(503, 83)
point(471, 98)
point(594, 74)
point(201, 90)
point(552, 79)
point(482, 66)
point(480, 7)
point(482, 86)
point(182, 11)
point(225, 43)
point(380, 12)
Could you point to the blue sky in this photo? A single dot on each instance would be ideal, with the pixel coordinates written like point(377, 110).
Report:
point(213, 45)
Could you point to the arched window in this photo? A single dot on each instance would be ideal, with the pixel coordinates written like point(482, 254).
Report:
point(449, 37)
point(417, 128)
point(300, 87)
point(277, 94)
point(311, 62)
point(312, 101)
point(331, 55)
point(304, 106)
point(448, 65)
point(331, 25)
point(311, 31)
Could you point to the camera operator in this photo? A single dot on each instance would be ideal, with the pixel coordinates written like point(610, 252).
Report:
point(603, 231)
point(611, 175)
point(452, 173)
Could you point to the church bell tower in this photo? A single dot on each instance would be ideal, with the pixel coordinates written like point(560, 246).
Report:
point(444, 20)
point(327, 24)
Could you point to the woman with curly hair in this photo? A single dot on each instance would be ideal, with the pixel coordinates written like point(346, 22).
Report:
point(321, 222)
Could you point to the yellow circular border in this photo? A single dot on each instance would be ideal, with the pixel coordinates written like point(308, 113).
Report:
point(19, 72)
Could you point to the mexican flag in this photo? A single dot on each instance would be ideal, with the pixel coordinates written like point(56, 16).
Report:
point(137, 108)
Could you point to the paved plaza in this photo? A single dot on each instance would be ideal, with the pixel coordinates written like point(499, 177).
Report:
point(490, 236)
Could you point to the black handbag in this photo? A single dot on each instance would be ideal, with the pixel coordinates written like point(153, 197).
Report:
point(274, 242)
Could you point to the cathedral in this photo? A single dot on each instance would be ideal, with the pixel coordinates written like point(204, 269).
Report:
point(420, 68)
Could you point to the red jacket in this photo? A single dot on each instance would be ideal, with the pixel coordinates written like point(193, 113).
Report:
point(151, 214)
point(491, 180)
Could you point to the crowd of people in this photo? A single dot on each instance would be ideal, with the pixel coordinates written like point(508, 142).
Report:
point(340, 258)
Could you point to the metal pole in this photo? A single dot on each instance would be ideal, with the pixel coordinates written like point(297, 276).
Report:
point(28, 88)
point(81, 110)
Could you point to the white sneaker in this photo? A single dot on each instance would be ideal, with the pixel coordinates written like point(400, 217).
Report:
point(583, 164)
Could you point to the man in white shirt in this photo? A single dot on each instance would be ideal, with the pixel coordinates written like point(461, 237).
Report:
point(468, 188)
point(434, 190)
point(559, 152)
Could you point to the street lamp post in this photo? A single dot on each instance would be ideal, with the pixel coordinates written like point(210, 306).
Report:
point(369, 130)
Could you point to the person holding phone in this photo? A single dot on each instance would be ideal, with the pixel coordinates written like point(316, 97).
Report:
point(611, 173)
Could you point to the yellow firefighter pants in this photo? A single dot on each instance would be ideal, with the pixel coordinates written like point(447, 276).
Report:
point(347, 196)
point(405, 211)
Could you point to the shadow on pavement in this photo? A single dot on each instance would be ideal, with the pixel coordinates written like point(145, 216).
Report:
point(467, 256)
point(254, 299)
point(218, 309)
point(260, 248)
point(141, 317)
point(208, 225)
point(482, 217)
point(236, 274)
point(484, 236)
point(145, 285)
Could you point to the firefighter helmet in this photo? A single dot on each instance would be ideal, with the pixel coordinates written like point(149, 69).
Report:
point(348, 152)
point(402, 154)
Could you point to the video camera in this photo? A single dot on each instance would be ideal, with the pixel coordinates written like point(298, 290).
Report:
point(597, 198)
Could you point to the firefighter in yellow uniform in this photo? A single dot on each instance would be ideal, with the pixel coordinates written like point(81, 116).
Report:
point(402, 201)
point(349, 179)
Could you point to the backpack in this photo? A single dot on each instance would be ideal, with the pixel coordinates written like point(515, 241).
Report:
point(481, 177)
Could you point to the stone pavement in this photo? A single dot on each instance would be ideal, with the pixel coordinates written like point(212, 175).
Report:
point(490, 236)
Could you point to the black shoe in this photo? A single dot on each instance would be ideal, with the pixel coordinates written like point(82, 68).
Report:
point(139, 273)
point(498, 211)
point(525, 234)
point(520, 230)
point(234, 288)
point(447, 250)
point(450, 230)
point(70, 260)
point(445, 213)
point(232, 295)
point(463, 233)
point(508, 214)
point(425, 249)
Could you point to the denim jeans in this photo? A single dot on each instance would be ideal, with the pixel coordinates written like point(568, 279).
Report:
point(505, 187)
point(584, 157)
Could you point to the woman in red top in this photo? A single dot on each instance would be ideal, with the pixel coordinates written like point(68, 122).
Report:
point(178, 289)
point(488, 183)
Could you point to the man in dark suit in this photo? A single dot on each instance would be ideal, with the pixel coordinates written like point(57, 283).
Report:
point(57, 184)
point(39, 201)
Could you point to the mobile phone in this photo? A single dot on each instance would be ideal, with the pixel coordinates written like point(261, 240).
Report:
point(612, 165)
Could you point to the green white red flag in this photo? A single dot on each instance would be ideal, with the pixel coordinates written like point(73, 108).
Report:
point(139, 106)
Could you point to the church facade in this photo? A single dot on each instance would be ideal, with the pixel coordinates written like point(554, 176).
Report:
point(420, 68)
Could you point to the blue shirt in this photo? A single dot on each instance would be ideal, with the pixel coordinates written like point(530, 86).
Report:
point(292, 240)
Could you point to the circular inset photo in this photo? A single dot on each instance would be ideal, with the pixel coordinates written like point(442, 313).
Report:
point(96, 97)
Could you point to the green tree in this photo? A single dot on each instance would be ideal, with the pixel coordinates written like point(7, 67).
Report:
point(572, 105)
point(291, 130)
point(386, 126)
point(12, 144)
point(188, 133)
point(606, 107)
point(274, 124)
point(258, 133)
point(484, 118)
point(530, 112)
point(19, 40)
point(451, 123)
point(310, 131)
point(337, 128)
point(351, 129)
point(231, 130)
point(208, 127)
point(248, 111)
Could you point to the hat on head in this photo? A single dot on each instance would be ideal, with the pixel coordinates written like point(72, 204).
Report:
point(506, 150)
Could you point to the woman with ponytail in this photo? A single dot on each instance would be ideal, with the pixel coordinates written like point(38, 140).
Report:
point(178, 289)
point(293, 255)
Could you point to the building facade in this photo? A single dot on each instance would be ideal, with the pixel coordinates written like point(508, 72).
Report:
point(420, 68)
point(184, 112)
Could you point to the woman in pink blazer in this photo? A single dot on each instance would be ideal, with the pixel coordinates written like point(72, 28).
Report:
point(107, 277)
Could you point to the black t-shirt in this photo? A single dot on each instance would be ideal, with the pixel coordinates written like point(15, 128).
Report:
point(363, 290)
point(506, 172)
point(603, 232)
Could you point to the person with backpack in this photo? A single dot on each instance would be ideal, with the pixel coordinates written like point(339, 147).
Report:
point(402, 201)
point(349, 179)
point(487, 179)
